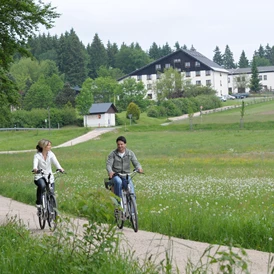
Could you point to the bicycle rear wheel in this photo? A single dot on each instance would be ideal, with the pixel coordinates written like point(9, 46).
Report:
point(52, 212)
point(132, 209)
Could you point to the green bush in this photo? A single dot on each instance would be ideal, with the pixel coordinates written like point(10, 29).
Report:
point(171, 108)
point(134, 110)
point(153, 112)
point(35, 118)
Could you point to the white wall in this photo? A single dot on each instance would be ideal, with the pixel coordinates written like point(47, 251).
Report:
point(106, 120)
point(219, 81)
point(267, 81)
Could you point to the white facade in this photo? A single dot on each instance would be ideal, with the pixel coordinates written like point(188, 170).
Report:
point(99, 120)
point(217, 80)
point(238, 79)
point(195, 67)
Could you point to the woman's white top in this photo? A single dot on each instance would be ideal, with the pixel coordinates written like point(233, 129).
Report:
point(40, 163)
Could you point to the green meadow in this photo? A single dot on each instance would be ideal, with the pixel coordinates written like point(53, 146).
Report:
point(213, 183)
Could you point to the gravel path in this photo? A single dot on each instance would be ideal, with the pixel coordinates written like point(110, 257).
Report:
point(145, 244)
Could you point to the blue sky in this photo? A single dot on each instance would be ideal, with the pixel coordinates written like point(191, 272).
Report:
point(241, 24)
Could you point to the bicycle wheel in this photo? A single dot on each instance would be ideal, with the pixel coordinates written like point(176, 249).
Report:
point(118, 217)
point(41, 216)
point(52, 212)
point(132, 209)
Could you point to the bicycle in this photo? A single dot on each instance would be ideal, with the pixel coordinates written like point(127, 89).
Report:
point(48, 211)
point(128, 207)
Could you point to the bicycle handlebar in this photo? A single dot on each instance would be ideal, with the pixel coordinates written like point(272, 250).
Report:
point(129, 174)
point(41, 171)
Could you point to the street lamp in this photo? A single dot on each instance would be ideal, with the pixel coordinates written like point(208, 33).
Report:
point(46, 122)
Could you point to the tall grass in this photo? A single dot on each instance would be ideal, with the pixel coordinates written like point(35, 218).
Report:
point(214, 185)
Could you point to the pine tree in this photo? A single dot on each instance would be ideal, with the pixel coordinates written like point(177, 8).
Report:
point(255, 85)
point(97, 56)
point(154, 51)
point(218, 58)
point(72, 58)
point(261, 52)
point(228, 60)
point(166, 49)
point(177, 46)
point(112, 50)
point(243, 61)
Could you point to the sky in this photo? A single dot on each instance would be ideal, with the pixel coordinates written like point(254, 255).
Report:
point(240, 24)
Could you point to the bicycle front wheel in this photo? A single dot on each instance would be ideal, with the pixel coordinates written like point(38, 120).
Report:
point(42, 213)
point(52, 213)
point(132, 209)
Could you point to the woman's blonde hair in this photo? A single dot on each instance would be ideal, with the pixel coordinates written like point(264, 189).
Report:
point(42, 144)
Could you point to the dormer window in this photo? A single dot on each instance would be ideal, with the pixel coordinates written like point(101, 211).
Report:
point(197, 64)
point(158, 66)
point(187, 64)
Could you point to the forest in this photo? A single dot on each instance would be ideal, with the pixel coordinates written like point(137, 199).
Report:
point(43, 73)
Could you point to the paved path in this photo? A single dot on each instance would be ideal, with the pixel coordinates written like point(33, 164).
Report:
point(88, 136)
point(144, 244)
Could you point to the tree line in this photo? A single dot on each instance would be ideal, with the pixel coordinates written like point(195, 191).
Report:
point(44, 71)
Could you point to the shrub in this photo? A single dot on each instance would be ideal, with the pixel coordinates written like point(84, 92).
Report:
point(171, 108)
point(153, 112)
point(134, 110)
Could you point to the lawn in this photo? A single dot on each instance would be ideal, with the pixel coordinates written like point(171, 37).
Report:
point(212, 185)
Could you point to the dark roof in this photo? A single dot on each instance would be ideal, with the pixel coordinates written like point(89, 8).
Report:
point(201, 58)
point(101, 108)
point(248, 70)
point(194, 54)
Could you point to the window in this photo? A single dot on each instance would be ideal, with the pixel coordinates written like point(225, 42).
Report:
point(265, 77)
point(198, 73)
point(197, 64)
point(187, 73)
point(198, 83)
point(228, 79)
point(208, 72)
point(187, 64)
point(149, 86)
point(260, 77)
point(139, 77)
point(167, 65)
point(178, 69)
point(208, 83)
point(158, 66)
point(149, 77)
point(238, 79)
point(158, 76)
point(99, 116)
point(243, 78)
point(177, 60)
point(221, 83)
point(149, 96)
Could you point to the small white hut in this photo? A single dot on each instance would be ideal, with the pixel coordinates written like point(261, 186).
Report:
point(101, 115)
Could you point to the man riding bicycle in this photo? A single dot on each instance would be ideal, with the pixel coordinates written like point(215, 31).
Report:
point(119, 162)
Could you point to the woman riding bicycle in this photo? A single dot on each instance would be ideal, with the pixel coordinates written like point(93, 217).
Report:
point(43, 159)
point(119, 162)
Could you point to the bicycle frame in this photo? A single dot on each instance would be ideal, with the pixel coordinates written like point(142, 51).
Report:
point(49, 205)
point(128, 210)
